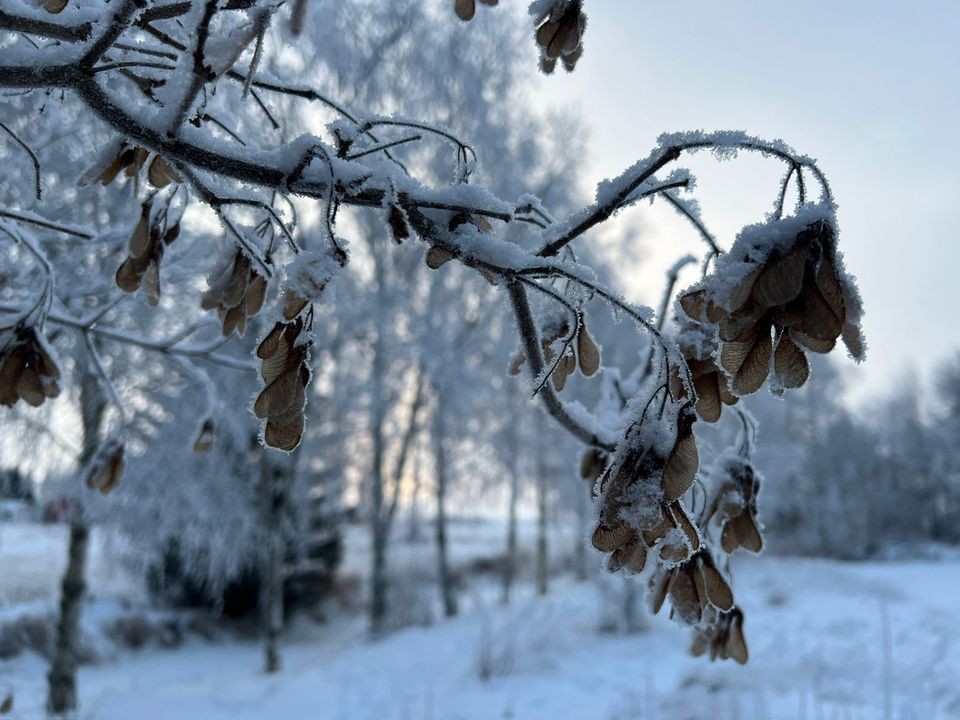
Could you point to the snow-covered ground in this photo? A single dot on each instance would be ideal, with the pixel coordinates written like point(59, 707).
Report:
point(827, 640)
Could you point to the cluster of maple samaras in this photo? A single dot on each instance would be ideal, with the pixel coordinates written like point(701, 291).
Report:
point(779, 292)
point(149, 241)
point(560, 34)
point(284, 367)
point(770, 306)
point(560, 26)
point(639, 496)
point(579, 351)
point(237, 291)
point(28, 371)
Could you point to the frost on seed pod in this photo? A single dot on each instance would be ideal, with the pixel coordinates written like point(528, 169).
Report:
point(147, 245)
point(307, 277)
point(722, 638)
point(780, 292)
point(639, 491)
point(237, 291)
point(107, 467)
point(561, 24)
point(578, 352)
point(28, 370)
point(284, 355)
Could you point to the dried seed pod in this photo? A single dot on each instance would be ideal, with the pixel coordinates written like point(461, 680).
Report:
point(592, 463)
point(203, 443)
point(608, 539)
point(236, 291)
point(560, 34)
point(588, 354)
point(793, 286)
point(160, 173)
point(680, 469)
point(790, 362)
point(465, 9)
point(438, 256)
point(107, 467)
point(723, 638)
point(147, 245)
point(28, 371)
point(284, 353)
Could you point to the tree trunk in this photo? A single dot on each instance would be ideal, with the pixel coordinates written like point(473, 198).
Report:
point(543, 558)
point(276, 474)
point(510, 558)
point(443, 560)
point(414, 531)
point(62, 677)
point(580, 545)
point(378, 413)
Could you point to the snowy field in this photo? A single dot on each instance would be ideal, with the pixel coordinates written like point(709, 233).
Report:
point(827, 640)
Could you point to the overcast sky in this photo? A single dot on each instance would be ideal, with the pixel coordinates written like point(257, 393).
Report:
point(871, 89)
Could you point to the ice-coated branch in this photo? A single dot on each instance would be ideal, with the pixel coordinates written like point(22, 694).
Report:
point(33, 158)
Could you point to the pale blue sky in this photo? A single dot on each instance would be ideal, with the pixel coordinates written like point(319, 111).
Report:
point(870, 89)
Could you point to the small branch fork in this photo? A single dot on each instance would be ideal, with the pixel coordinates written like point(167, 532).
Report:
point(350, 182)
